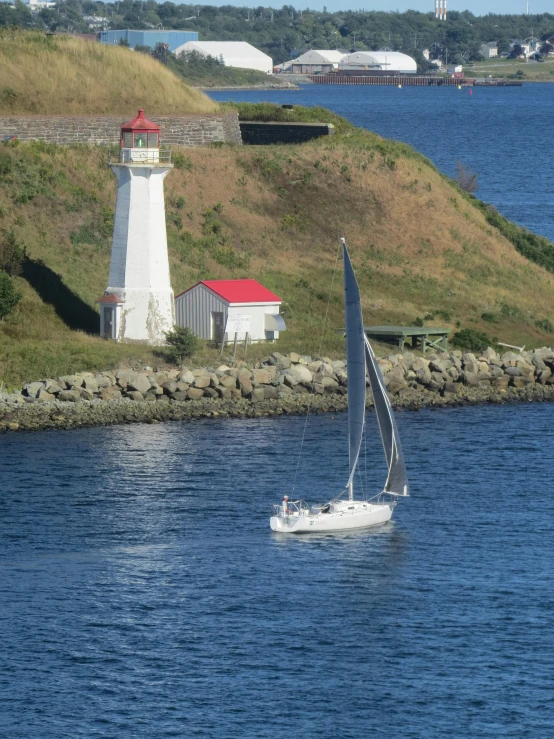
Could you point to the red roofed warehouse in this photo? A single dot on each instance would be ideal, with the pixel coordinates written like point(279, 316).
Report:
point(206, 307)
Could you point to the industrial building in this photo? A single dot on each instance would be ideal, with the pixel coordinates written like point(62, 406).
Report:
point(174, 39)
point(206, 306)
point(233, 53)
point(392, 62)
point(315, 61)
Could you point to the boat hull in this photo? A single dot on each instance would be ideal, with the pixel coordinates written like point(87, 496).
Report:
point(358, 516)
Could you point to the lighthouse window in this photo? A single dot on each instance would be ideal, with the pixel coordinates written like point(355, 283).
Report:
point(153, 141)
point(140, 141)
point(128, 140)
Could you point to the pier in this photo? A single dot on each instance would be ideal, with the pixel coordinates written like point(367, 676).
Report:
point(415, 81)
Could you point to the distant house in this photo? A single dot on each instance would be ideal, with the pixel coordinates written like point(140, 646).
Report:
point(233, 53)
point(205, 307)
point(456, 69)
point(490, 50)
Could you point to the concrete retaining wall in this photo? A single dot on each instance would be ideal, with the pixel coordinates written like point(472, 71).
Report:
point(273, 132)
point(180, 130)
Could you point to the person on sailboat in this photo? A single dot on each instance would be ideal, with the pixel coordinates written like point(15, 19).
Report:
point(284, 505)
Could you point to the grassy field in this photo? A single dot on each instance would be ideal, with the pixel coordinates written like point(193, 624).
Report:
point(513, 69)
point(421, 247)
point(62, 75)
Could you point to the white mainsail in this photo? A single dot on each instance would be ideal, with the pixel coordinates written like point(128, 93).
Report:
point(359, 358)
point(355, 364)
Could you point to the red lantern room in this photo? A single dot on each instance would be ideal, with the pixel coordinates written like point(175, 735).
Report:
point(140, 140)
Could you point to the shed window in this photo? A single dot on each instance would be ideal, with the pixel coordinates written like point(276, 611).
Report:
point(128, 140)
point(153, 141)
point(140, 141)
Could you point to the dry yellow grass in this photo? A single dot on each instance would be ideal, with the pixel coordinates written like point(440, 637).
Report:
point(61, 75)
point(419, 247)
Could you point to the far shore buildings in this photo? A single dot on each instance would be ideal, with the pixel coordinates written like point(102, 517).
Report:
point(489, 51)
point(232, 53)
point(325, 61)
point(314, 62)
point(173, 39)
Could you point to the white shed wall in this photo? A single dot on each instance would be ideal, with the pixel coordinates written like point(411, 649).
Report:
point(257, 324)
point(194, 309)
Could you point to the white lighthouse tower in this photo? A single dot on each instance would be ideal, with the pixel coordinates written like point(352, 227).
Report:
point(138, 303)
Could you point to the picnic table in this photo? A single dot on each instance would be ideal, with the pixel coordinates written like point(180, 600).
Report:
point(418, 337)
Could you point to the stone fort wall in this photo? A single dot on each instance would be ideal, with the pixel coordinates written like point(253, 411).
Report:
point(179, 130)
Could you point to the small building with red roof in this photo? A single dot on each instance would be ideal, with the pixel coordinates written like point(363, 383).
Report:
point(206, 307)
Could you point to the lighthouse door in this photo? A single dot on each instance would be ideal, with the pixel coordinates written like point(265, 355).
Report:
point(108, 323)
point(217, 326)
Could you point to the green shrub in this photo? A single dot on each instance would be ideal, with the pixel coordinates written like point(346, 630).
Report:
point(9, 296)
point(418, 321)
point(180, 161)
point(183, 343)
point(489, 317)
point(545, 324)
point(475, 341)
point(512, 312)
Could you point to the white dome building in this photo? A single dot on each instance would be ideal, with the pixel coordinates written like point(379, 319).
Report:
point(234, 54)
point(380, 61)
point(314, 61)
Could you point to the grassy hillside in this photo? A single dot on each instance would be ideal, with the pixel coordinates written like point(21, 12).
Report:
point(62, 75)
point(421, 247)
point(513, 69)
point(208, 72)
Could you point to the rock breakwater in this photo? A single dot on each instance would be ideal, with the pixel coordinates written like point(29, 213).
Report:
point(277, 385)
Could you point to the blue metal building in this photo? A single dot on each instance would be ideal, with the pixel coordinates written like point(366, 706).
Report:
point(149, 38)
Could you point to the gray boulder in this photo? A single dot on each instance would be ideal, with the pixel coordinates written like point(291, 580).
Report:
point(135, 395)
point(45, 397)
point(185, 375)
point(69, 396)
point(140, 383)
point(32, 389)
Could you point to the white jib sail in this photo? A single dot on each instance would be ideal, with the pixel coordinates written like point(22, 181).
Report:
point(397, 480)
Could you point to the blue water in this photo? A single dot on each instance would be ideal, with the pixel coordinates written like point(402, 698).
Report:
point(506, 135)
point(143, 595)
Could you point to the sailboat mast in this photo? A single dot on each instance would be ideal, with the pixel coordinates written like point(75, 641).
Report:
point(350, 488)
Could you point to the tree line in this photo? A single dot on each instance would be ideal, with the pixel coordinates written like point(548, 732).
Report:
point(287, 32)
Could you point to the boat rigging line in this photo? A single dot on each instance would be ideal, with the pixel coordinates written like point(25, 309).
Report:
point(342, 243)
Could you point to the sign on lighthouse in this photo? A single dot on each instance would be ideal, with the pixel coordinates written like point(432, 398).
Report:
point(138, 303)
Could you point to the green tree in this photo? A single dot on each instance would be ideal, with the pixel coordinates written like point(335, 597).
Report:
point(9, 296)
point(11, 255)
point(183, 343)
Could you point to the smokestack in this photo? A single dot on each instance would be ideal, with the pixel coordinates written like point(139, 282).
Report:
point(436, 8)
point(444, 11)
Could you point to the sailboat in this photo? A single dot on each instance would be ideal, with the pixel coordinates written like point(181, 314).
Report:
point(346, 511)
